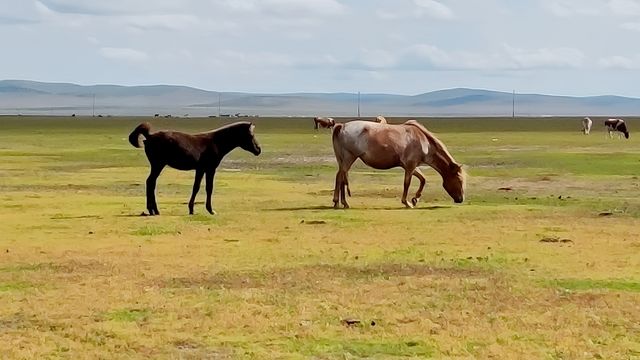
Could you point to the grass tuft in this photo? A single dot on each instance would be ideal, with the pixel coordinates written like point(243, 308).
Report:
point(589, 284)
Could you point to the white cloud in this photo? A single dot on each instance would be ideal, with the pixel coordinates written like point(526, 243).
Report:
point(620, 62)
point(327, 44)
point(260, 59)
point(124, 54)
point(428, 54)
point(545, 57)
point(111, 7)
point(286, 7)
point(634, 26)
point(434, 9)
point(161, 22)
point(570, 8)
point(377, 59)
point(387, 14)
point(427, 57)
point(624, 7)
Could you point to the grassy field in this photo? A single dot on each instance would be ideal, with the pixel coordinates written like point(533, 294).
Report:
point(542, 261)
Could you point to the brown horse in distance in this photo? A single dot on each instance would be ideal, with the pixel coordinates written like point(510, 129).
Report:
point(385, 146)
point(322, 122)
point(200, 152)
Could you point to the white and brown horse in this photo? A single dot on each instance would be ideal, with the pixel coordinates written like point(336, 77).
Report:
point(614, 125)
point(322, 122)
point(385, 146)
point(587, 123)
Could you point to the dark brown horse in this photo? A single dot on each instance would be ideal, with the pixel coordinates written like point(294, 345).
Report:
point(200, 152)
point(385, 146)
point(322, 122)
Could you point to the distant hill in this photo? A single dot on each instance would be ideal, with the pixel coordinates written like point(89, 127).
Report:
point(31, 97)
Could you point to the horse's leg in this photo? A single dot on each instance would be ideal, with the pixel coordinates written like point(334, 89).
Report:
point(337, 187)
point(343, 187)
point(418, 173)
point(196, 188)
point(344, 183)
point(408, 173)
point(209, 187)
point(152, 206)
point(342, 180)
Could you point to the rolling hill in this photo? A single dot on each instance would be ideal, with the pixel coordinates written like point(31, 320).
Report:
point(31, 97)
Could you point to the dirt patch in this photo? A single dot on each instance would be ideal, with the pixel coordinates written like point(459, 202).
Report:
point(555, 239)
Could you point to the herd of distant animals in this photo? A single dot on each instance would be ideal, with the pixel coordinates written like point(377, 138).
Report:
point(612, 126)
point(378, 144)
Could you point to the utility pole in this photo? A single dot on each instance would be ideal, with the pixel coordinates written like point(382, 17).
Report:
point(218, 104)
point(513, 105)
point(93, 107)
point(358, 104)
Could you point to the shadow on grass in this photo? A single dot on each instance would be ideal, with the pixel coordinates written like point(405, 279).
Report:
point(298, 208)
point(69, 217)
point(325, 207)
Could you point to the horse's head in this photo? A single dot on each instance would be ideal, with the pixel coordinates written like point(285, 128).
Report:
point(249, 142)
point(332, 122)
point(454, 182)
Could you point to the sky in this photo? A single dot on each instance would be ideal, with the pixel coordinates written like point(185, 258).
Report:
point(556, 47)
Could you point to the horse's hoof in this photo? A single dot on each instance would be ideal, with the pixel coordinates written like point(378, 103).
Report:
point(335, 205)
point(414, 201)
point(407, 205)
point(346, 206)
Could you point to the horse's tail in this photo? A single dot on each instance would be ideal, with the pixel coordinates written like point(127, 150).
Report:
point(315, 123)
point(337, 129)
point(143, 129)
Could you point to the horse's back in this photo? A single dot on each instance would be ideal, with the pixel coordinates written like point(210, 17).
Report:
point(380, 146)
point(179, 150)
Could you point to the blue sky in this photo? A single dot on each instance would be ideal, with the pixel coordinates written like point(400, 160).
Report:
point(564, 47)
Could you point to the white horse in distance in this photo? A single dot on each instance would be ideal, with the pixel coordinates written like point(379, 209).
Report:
point(586, 125)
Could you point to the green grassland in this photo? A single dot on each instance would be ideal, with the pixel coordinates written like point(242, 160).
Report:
point(275, 273)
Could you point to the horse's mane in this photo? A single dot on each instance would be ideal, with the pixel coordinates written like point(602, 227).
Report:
point(228, 126)
point(433, 140)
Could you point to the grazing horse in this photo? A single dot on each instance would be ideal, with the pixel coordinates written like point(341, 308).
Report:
point(616, 125)
point(200, 152)
point(586, 125)
point(385, 146)
point(381, 119)
point(322, 122)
